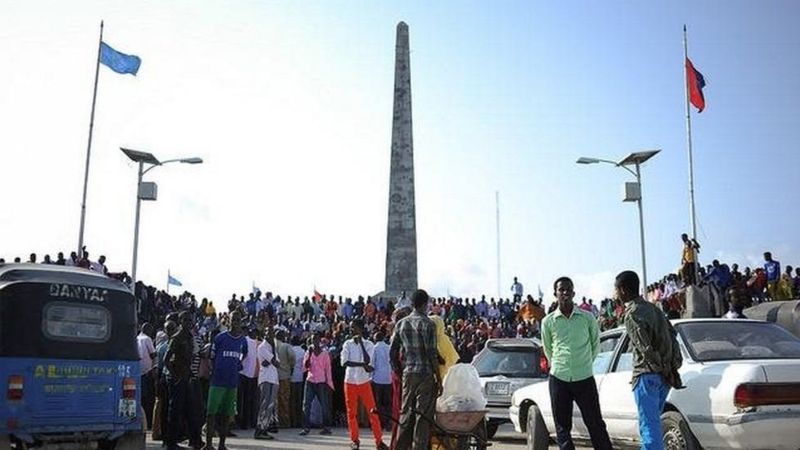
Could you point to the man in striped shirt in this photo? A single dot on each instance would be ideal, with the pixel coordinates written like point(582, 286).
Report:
point(196, 413)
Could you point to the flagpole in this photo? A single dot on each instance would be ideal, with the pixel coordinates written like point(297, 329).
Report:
point(89, 146)
point(692, 211)
point(169, 275)
point(497, 222)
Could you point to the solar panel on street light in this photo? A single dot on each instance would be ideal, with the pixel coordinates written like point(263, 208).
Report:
point(638, 157)
point(138, 156)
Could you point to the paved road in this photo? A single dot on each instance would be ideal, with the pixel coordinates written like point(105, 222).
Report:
point(506, 439)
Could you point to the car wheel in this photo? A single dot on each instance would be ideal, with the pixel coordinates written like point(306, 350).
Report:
point(491, 430)
point(538, 438)
point(676, 432)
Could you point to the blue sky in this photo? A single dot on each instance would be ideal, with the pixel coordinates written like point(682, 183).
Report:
point(290, 105)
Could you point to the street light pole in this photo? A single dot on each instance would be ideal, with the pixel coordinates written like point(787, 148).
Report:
point(142, 158)
point(635, 159)
point(641, 227)
point(136, 227)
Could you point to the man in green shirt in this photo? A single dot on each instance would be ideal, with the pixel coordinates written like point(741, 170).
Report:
point(571, 339)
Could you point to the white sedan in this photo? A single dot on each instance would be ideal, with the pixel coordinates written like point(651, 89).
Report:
point(742, 381)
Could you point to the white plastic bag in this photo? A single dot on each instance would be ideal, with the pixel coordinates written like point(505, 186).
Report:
point(462, 390)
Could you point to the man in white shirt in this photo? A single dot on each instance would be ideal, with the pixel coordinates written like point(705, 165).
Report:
point(482, 308)
point(494, 311)
point(246, 405)
point(267, 386)
point(99, 266)
point(403, 301)
point(297, 309)
point(357, 356)
point(73, 260)
point(147, 352)
point(260, 303)
point(278, 306)
point(517, 289)
point(382, 379)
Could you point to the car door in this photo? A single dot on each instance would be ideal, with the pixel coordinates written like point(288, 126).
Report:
point(605, 356)
point(616, 395)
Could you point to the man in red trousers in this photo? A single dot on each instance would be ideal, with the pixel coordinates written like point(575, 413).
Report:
point(357, 354)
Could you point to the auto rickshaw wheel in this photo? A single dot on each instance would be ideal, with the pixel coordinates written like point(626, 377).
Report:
point(134, 440)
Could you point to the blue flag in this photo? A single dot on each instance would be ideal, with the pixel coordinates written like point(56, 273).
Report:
point(173, 281)
point(119, 62)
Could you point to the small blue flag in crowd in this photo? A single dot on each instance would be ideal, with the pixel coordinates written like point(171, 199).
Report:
point(117, 61)
point(173, 281)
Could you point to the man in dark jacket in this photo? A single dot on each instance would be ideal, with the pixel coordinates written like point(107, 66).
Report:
point(178, 360)
point(656, 358)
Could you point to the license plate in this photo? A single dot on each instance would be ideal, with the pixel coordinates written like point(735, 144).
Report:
point(493, 388)
point(127, 408)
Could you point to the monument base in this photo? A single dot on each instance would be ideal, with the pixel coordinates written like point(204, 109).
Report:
point(698, 302)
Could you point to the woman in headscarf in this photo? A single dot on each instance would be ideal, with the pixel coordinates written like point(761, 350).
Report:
point(447, 351)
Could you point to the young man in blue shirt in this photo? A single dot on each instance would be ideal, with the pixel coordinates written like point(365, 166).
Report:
point(227, 353)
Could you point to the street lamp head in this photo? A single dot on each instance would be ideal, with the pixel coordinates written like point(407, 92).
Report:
point(194, 160)
point(585, 160)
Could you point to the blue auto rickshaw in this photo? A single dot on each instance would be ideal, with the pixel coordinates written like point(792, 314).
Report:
point(68, 360)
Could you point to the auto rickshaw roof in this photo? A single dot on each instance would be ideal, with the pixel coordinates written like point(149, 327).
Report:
point(50, 273)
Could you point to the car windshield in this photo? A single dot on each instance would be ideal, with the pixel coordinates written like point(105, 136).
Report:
point(728, 340)
point(512, 362)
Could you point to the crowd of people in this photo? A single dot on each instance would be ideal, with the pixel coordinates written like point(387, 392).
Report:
point(269, 362)
point(731, 289)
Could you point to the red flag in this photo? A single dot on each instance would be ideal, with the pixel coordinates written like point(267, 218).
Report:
point(317, 296)
point(695, 83)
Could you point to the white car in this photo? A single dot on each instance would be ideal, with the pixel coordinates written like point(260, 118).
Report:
point(742, 391)
point(504, 366)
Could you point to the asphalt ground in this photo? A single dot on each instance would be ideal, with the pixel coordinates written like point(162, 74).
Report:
point(289, 439)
